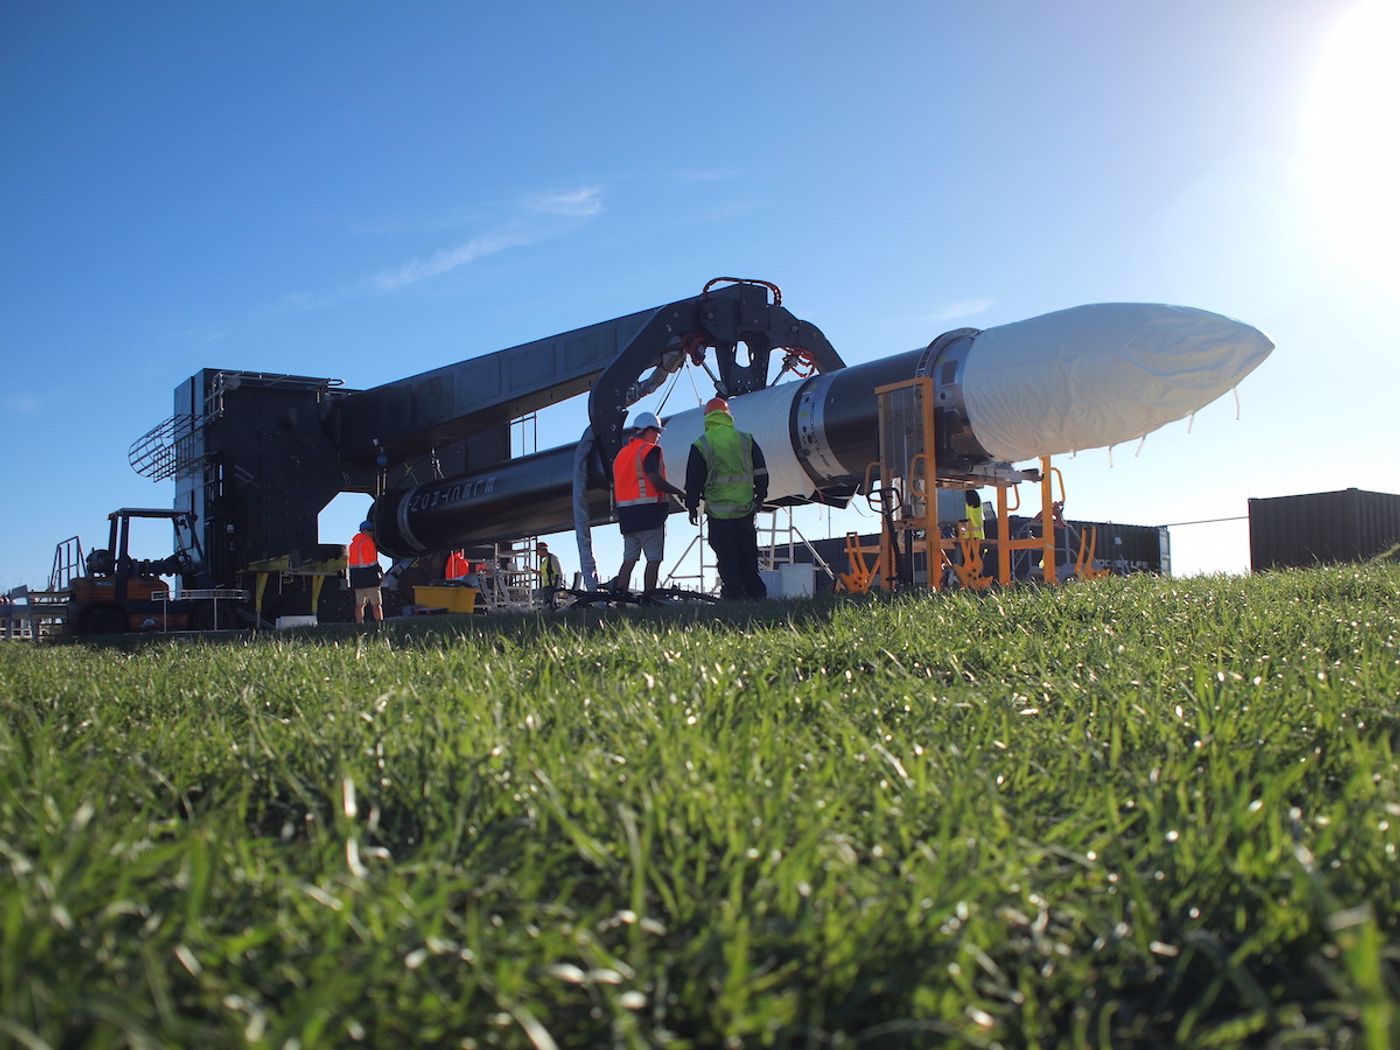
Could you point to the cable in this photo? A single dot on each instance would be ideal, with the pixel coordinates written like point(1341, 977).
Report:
point(777, 292)
point(675, 376)
point(691, 376)
point(1203, 521)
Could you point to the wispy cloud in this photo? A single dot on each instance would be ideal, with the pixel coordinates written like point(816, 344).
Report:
point(960, 308)
point(305, 302)
point(419, 223)
point(201, 334)
point(445, 261)
point(23, 404)
point(581, 203)
point(706, 174)
point(530, 221)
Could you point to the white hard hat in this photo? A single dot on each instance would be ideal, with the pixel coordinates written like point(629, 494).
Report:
point(646, 420)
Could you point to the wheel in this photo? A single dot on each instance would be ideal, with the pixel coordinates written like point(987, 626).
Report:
point(102, 619)
point(202, 616)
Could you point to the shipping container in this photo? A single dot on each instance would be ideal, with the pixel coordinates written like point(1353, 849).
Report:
point(1321, 528)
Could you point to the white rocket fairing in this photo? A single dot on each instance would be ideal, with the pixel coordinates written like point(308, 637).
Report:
point(1098, 375)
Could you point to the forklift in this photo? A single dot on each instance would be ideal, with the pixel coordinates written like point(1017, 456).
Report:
point(119, 593)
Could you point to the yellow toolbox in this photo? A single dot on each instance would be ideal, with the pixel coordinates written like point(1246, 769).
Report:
point(452, 599)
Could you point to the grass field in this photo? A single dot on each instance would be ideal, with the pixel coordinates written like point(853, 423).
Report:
point(1133, 813)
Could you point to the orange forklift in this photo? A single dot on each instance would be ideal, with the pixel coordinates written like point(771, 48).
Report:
point(119, 593)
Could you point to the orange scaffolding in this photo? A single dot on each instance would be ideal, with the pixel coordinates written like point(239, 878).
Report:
point(902, 485)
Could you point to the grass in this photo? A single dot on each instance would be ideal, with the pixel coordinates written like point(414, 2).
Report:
point(1133, 813)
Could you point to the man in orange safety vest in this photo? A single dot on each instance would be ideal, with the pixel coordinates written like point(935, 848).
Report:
point(363, 562)
point(457, 566)
point(641, 495)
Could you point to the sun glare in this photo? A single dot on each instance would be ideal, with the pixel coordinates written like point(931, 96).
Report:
point(1352, 128)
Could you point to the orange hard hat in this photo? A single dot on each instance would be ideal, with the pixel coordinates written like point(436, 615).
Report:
point(716, 404)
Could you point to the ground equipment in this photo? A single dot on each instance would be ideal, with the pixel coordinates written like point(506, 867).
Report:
point(115, 592)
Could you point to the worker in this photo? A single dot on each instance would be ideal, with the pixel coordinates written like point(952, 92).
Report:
point(726, 467)
point(975, 529)
point(457, 567)
point(365, 573)
point(551, 574)
point(640, 493)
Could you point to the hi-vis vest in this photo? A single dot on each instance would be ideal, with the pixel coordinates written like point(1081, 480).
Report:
point(549, 571)
point(630, 485)
point(363, 552)
point(728, 470)
point(975, 528)
point(457, 566)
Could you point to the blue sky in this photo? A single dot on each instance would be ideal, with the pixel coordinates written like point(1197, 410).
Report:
point(367, 191)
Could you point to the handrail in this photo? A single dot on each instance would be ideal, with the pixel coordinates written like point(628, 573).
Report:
point(68, 562)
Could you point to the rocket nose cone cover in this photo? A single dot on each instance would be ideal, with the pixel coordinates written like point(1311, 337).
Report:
point(1098, 375)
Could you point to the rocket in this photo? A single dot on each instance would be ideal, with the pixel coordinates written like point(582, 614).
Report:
point(1069, 381)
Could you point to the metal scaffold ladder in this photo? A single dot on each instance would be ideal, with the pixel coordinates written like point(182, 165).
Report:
point(513, 576)
point(783, 540)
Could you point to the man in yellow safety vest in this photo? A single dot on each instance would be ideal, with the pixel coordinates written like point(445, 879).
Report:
point(551, 574)
point(726, 468)
point(975, 528)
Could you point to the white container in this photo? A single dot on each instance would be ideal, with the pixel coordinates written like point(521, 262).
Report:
point(284, 622)
point(772, 582)
point(798, 580)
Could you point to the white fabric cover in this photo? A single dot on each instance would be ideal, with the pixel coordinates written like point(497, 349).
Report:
point(1101, 374)
point(765, 415)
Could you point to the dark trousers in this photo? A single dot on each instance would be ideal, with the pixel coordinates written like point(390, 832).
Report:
point(736, 550)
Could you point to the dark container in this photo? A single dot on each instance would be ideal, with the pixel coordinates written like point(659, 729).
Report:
point(1321, 528)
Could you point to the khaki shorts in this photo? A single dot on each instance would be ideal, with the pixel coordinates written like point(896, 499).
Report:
point(652, 543)
point(368, 596)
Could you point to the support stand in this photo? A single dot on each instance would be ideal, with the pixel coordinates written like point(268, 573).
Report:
point(906, 500)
